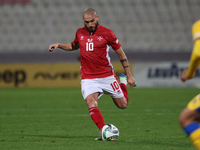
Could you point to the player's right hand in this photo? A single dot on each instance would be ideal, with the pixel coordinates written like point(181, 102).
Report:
point(183, 76)
point(53, 46)
point(131, 81)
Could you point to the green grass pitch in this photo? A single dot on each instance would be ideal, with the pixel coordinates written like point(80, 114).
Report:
point(58, 119)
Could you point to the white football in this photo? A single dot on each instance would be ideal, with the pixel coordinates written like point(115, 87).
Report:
point(109, 132)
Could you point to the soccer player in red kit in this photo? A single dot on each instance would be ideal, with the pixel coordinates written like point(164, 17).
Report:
point(97, 76)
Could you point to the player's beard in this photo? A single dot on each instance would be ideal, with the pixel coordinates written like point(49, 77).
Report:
point(91, 29)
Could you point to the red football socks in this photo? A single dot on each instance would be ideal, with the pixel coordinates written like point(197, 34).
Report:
point(97, 117)
point(124, 90)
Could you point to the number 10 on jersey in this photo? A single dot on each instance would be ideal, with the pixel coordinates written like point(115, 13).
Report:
point(89, 46)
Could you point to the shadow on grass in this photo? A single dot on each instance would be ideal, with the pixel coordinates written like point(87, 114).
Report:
point(152, 143)
point(59, 136)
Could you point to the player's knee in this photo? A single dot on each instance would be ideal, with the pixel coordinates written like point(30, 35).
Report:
point(91, 102)
point(186, 117)
point(122, 105)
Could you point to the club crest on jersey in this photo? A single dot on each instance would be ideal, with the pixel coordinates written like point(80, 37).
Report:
point(81, 37)
point(117, 41)
point(90, 40)
point(100, 38)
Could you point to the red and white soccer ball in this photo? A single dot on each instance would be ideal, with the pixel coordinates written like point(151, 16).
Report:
point(109, 132)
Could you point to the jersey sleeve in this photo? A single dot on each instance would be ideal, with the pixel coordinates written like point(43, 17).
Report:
point(195, 56)
point(76, 39)
point(113, 41)
point(196, 30)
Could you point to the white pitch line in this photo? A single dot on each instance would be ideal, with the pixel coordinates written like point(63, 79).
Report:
point(85, 115)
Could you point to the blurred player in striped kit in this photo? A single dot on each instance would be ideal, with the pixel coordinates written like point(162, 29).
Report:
point(190, 116)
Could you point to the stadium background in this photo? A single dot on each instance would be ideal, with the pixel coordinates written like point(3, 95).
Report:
point(155, 34)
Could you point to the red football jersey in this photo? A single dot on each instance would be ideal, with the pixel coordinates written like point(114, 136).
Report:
point(94, 48)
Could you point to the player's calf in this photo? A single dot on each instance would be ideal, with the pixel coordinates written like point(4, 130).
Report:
point(120, 102)
point(186, 117)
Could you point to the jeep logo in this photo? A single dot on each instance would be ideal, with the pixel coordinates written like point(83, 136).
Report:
point(8, 76)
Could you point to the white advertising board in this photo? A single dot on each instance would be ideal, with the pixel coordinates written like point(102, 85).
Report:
point(163, 74)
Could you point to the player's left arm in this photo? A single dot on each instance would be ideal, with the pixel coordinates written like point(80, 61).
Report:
point(194, 62)
point(125, 64)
